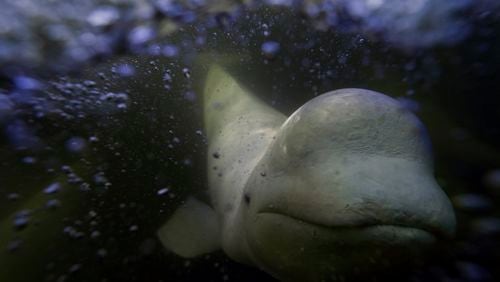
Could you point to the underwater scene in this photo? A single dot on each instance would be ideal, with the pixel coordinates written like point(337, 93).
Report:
point(249, 140)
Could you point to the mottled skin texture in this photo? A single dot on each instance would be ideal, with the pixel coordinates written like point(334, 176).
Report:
point(345, 184)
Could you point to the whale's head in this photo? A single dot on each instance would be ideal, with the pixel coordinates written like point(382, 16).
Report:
point(346, 185)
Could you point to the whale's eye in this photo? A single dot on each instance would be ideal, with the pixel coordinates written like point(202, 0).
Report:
point(246, 198)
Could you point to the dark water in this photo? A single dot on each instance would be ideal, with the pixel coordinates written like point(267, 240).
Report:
point(84, 172)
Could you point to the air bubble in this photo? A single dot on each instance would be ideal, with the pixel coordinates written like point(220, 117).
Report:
point(21, 219)
point(95, 234)
point(472, 202)
point(270, 48)
point(75, 144)
point(13, 196)
point(52, 204)
point(121, 106)
point(186, 72)
point(74, 268)
point(190, 96)
point(170, 50)
point(141, 35)
point(102, 253)
point(162, 191)
point(52, 188)
point(29, 160)
point(279, 2)
point(72, 232)
point(27, 83)
point(125, 70)
point(103, 16)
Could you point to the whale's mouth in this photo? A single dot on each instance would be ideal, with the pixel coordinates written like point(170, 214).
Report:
point(379, 232)
point(303, 250)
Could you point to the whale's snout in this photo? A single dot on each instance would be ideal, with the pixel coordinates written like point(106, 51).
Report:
point(348, 180)
point(367, 215)
point(359, 192)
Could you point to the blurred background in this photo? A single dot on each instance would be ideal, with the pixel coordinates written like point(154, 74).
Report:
point(101, 130)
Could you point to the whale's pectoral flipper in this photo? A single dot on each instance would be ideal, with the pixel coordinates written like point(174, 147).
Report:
point(192, 230)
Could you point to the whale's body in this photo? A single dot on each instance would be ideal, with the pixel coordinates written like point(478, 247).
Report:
point(344, 184)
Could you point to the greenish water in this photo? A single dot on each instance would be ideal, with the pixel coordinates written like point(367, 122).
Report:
point(104, 230)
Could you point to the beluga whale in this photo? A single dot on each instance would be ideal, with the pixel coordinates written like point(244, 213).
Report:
point(342, 186)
